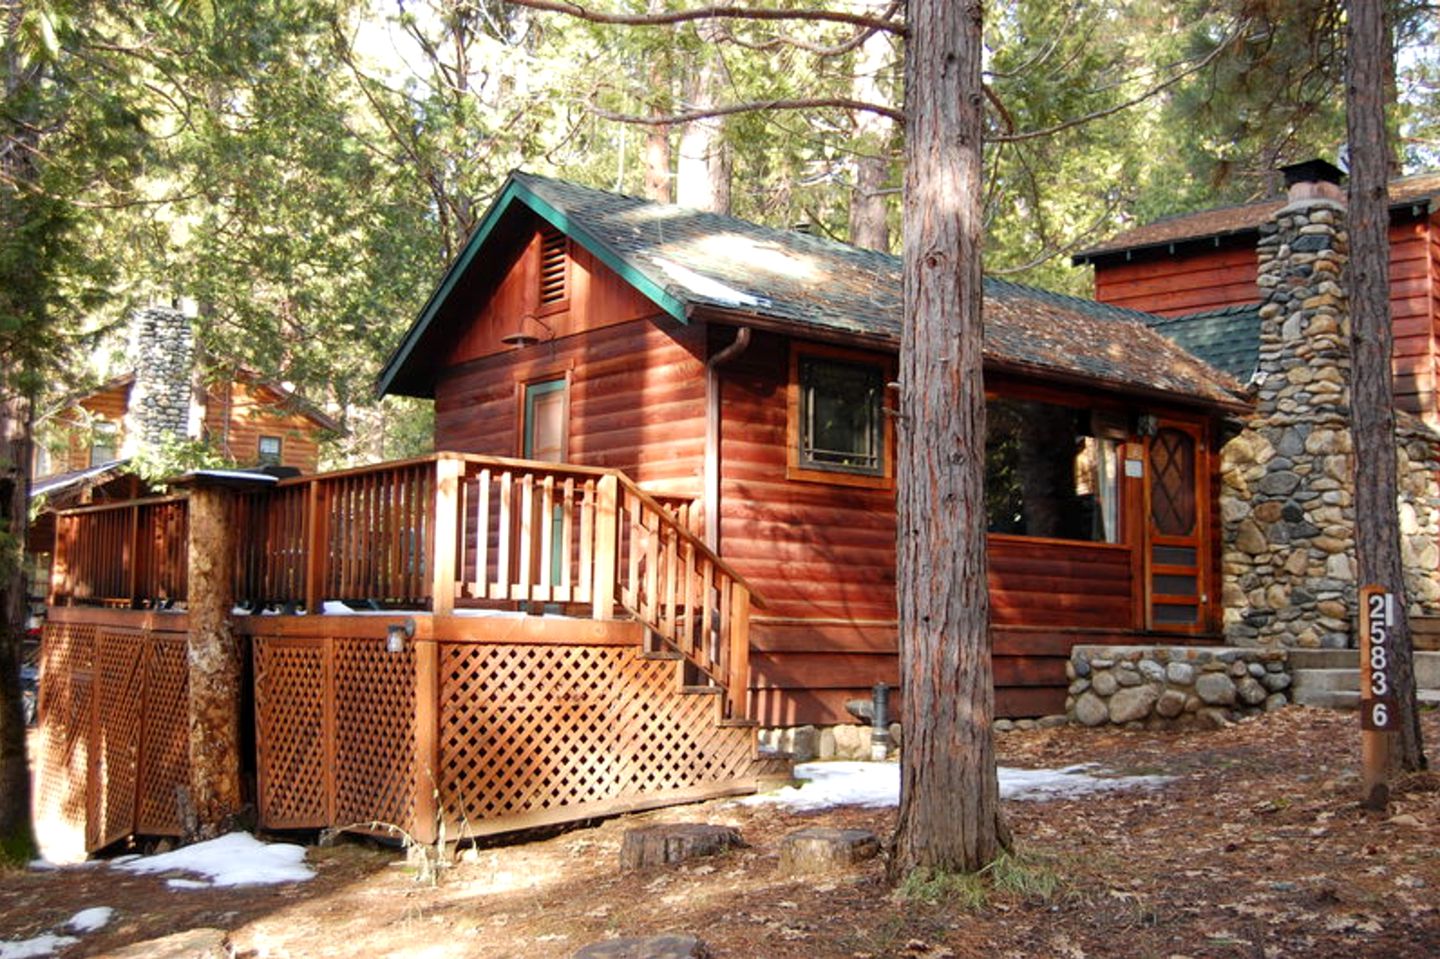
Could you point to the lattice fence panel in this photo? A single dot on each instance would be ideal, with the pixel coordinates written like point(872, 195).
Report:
point(290, 688)
point(119, 716)
point(165, 748)
point(534, 729)
point(374, 733)
point(66, 665)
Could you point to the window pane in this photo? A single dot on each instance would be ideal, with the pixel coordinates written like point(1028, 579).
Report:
point(270, 451)
point(1048, 474)
point(840, 415)
point(103, 443)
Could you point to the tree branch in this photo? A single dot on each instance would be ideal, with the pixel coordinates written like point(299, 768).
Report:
point(1141, 97)
point(710, 13)
point(839, 103)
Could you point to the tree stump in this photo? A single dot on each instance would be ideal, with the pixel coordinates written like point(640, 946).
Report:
point(657, 845)
point(653, 947)
point(820, 849)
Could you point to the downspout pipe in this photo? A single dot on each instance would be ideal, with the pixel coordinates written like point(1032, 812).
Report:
point(712, 433)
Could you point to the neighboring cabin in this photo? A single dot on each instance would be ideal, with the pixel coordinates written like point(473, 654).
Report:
point(1200, 270)
point(81, 452)
point(753, 370)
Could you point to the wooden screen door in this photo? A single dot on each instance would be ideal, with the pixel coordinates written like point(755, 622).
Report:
point(1177, 546)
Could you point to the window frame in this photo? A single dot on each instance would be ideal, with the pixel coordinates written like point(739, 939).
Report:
point(557, 382)
point(796, 467)
point(111, 429)
point(260, 450)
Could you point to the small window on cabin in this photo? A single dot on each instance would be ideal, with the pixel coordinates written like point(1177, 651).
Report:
point(1051, 471)
point(554, 271)
point(104, 441)
point(841, 420)
point(270, 447)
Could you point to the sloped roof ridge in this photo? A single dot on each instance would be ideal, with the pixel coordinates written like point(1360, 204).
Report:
point(733, 222)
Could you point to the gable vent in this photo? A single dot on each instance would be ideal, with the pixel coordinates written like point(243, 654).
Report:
point(554, 267)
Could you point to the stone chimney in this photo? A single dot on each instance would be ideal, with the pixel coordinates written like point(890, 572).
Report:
point(1287, 503)
point(162, 346)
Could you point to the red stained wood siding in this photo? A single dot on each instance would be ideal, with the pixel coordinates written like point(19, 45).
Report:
point(823, 556)
point(237, 414)
point(637, 400)
point(1189, 281)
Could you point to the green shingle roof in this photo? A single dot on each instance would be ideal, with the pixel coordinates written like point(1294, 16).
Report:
point(686, 260)
point(1228, 339)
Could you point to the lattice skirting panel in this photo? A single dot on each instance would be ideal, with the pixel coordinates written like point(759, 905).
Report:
point(521, 735)
point(538, 734)
point(335, 733)
point(113, 736)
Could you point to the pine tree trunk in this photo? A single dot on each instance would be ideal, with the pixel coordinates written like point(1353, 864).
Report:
point(869, 213)
point(702, 175)
point(949, 818)
point(1377, 523)
point(17, 139)
point(17, 841)
point(214, 657)
point(657, 139)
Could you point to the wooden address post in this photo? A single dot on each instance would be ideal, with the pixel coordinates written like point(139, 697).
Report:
point(1378, 718)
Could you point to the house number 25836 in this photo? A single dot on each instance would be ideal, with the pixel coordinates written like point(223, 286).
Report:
point(1377, 687)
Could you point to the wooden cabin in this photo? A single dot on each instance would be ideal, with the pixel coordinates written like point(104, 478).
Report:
point(664, 517)
point(1199, 271)
point(751, 371)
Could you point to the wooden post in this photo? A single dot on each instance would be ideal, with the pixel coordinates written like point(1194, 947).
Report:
point(448, 473)
point(607, 547)
point(215, 668)
point(316, 547)
point(739, 677)
point(1378, 714)
point(132, 560)
point(425, 829)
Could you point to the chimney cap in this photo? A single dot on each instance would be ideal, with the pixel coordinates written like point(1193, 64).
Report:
point(1312, 171)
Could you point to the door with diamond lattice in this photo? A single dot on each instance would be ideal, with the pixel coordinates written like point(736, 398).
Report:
point(1177, 545)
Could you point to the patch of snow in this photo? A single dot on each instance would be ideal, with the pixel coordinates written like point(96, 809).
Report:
point(186, 884)
point(705, 286)
point(88, 920)
point(830, 784)
point(42, 865)
point(44, 945)
point(237, 859)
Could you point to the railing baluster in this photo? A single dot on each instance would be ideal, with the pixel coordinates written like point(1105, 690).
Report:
point(545, 532)
point(482, 536)
point(503, 535)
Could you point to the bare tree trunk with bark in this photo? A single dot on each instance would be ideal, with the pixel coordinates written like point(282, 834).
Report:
point(214, 657)
point(702, 176)
point(869, 213)
point(656, 157)
point(1377, 524)
point(949, 818)
point(17, 143)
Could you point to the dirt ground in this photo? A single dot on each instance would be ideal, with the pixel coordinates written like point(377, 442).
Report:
point(1256, 848)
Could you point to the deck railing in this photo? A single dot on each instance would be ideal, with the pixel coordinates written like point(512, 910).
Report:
point(439, 532)
point(128, 554)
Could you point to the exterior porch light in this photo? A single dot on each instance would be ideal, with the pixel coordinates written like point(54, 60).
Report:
point(522, 336)
point(1147, 424)
point(397, 633)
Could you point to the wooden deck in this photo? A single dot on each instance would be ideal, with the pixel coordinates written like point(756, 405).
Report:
point(577, 651)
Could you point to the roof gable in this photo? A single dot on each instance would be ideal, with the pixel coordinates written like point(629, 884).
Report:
point(687, 260)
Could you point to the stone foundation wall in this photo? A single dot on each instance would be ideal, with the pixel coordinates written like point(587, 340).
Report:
point(1155, 687)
